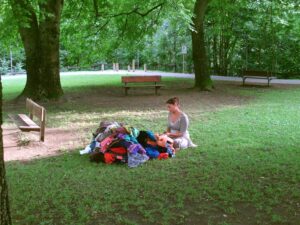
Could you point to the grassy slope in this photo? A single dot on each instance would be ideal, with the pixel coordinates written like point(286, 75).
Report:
point(246, 170)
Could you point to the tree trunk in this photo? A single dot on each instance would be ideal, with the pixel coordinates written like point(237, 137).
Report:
point(5, 218)
point(202, 75)
point(40, 38)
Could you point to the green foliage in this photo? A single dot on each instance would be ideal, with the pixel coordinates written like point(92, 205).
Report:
point(112, 34)
point(10, 40)
point(262, 35)
point(163, 50)
point(4, 66)
point(255, 35)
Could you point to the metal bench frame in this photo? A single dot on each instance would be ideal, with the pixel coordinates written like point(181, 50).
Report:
point(257, 75)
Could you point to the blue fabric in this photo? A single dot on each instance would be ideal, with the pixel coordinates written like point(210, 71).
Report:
point(93, 145)
point(134, 132)
point(134, 160)
point(151, 135)
point(169, 151)
point(136, 148)
point(152, 152)
point(125, 144)
point(130, 139)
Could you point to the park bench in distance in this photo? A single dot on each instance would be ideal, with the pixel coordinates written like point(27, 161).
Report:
point(25, 123)
point(141, 82)
point(257, 75)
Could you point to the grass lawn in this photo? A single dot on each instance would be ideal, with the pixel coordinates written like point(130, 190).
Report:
point(245, 171)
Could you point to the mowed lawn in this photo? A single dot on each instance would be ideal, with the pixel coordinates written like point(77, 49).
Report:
point(246, 169)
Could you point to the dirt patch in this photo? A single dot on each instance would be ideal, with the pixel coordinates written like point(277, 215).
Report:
point(26, 146)
point(141, 99)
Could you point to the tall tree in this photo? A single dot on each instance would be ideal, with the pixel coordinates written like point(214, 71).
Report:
point(39, 27)
point(202, 75)
point(5, 218)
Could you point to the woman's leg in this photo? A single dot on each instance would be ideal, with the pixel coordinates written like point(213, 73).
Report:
point(180, 143)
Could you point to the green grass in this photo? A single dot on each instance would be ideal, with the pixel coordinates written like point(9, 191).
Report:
point(13, 87)
point(246, 169)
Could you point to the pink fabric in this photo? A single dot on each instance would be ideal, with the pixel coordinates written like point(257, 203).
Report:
point(106, 142)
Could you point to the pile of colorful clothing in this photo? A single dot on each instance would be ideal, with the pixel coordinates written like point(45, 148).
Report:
point(115, 142)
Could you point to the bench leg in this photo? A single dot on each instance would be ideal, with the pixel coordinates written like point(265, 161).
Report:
point(126, 91)
point(244, 79)
point(42, 133)
point(156, 90)
point(42, 138)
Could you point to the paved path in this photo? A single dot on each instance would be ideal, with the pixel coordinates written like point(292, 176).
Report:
point(164, 74)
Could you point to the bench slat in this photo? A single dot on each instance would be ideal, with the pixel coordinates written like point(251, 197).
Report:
point(26, 123)
point(27, 120)
point(35, 109)
point(140, 79)
point(141, 82)
point(30, 128)
point(16, 119)
point(258, 77)
point(132, 85)
point(256, 73)
point(22, 125)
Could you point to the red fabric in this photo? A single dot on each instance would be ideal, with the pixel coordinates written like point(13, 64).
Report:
point(163, 156)
point(119, 150)
point(109, 158)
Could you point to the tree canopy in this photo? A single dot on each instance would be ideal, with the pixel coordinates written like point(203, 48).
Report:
point(259, 35)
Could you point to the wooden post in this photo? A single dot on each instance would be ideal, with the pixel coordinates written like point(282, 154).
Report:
point(145, 67)
point(43, 126)
point(11, 63)
point(102, 67)
point(133, 65)
point(183, 62)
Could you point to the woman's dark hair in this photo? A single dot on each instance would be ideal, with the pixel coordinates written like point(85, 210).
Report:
point(173, 101)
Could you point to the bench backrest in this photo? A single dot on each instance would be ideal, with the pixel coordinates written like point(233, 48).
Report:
point(35, 110)
point(140, 79)
point(256, 73)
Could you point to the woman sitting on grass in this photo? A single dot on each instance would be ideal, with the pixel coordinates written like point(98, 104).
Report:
point(178, 123)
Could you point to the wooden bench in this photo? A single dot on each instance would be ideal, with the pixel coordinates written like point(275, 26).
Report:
point(141, 82)
point(25, 123)
point(255, 74)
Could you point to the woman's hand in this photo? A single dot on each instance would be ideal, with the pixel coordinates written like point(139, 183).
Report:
point(168, 134)
point(174, 135)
